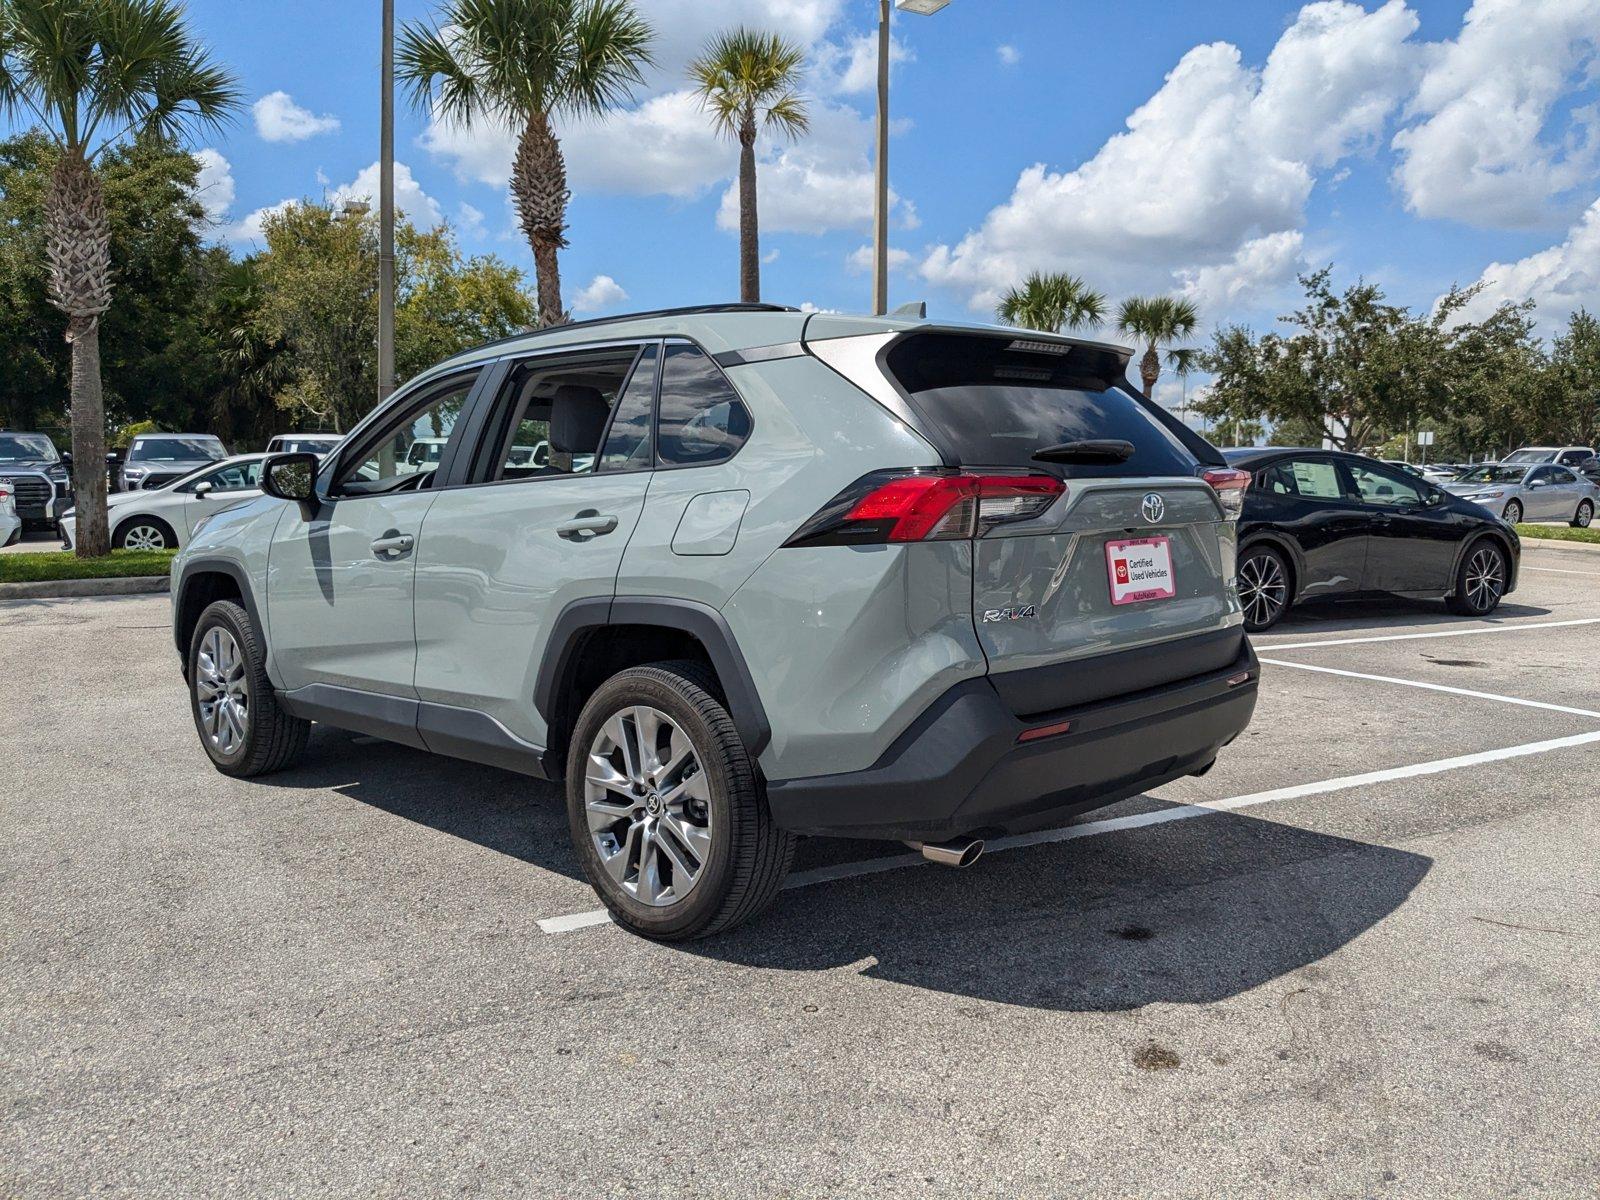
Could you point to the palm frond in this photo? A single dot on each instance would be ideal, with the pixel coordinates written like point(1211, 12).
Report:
point(611, 47)
point(434, 77)
point(746, 75)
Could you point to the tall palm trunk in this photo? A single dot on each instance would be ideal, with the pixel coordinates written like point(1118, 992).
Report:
point(539, 188)
point(1150, 370)
point(78, 244)
point(749, 227)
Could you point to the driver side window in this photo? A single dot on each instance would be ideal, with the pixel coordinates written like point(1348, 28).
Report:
point(410, 448)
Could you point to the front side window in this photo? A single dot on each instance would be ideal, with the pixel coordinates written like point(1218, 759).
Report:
point(409, 450)
point(1562, 475)
point(701, 420)
point(1384, 487)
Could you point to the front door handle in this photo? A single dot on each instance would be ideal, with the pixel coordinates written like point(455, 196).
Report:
point(393, 545)
point(588, 522)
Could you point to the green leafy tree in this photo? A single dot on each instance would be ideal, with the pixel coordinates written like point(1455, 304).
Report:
point(90, 74)
point(1575, 365)
point(1158, 322)
point(523, 63)
point(747, 80)
point(1052, 302)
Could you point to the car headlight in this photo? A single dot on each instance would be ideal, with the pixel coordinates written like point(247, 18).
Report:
point(1485, 495)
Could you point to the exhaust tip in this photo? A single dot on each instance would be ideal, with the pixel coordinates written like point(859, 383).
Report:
point(957, 852)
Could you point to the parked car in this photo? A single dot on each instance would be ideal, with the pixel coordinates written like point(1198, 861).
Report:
point(1566, 456)
point(1320, 524)
point(1540, 492)
point(10, 523)
point(157, 459)
point(162, 518)
point(1589, 468)
point(304, 443)
point(37, 477)
point(780, 573)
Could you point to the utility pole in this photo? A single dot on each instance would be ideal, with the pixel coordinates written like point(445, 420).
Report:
point(880, 194)
point(386, 214)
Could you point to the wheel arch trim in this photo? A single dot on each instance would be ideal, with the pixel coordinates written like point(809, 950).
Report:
point(185, 578)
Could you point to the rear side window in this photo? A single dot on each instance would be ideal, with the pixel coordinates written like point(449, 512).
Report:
point(702, 420)
point(995, 402)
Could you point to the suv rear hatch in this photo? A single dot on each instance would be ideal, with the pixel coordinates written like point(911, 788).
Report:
point(1122, 583)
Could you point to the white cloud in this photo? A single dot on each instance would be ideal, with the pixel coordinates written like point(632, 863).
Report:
point(1009, 56)
point(771, 256)
point(409, 198)
point(280, 119)
point(1480, 152)
point(469, 219)
point(1560, 279)
point(1211, 173)
point(252, 228)
point(851, 67)
point(1260, 264)
point(213, 186)
point(860, 259)
point(602, 292)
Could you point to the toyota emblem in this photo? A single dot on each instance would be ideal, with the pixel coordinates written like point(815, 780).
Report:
point(1153, 507)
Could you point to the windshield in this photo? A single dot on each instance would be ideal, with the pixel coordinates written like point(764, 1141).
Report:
point(20, 447)
point(176, 449)
point(1531, 456)
point(1493, 473)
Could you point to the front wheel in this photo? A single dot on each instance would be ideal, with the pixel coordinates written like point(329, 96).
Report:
point(1585, 514)
point(1481, 581)
point(1263, 588)
point(241, 727)
point(1513, 513)
point(666, 813)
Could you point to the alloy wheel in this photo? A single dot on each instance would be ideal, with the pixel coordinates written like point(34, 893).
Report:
point(648, 803)
point(144, 537)
point(1263, 590)
point(1486, 578)
point(223, 691)
point(1513, 513)
point(1585, 515)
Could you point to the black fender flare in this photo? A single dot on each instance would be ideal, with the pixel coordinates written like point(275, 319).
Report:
point(702, 622)
point(1285, 546)
point(211, 566)
point(1513, 559)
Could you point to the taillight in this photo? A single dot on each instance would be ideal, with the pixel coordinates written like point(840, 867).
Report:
point(926, 506)
point(1230, 487)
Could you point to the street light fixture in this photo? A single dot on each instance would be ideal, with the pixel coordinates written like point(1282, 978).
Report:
point(880, 197)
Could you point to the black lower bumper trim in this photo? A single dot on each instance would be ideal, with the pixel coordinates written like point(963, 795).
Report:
point(959, 768)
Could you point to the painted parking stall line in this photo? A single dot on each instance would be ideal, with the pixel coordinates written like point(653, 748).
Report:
point(571, 922)
point(1434, 687)
point(1508, 627)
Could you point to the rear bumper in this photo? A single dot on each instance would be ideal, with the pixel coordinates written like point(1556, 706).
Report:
point(960, 769)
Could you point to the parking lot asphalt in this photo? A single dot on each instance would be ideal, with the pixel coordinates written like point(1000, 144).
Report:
point(1358, 958)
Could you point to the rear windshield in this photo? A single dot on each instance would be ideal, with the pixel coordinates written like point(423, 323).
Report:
point(995, 402)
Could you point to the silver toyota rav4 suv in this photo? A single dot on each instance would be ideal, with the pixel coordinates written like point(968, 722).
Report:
point(777, 574)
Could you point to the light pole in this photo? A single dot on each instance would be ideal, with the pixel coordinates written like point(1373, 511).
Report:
point(880, 195)
point(386, 214)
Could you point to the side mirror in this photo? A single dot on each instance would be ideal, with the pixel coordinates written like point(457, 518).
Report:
point(66, 458)
point(291, 477)
point(202, 489)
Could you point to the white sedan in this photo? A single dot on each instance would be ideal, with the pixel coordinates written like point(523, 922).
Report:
point(10, 523)
point(163, 517)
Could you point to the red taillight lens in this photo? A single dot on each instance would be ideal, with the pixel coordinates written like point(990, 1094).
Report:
point(918, 506)
point(1230, 487)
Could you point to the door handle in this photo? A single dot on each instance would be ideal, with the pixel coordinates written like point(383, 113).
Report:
point(393, 544)
point(589, 522)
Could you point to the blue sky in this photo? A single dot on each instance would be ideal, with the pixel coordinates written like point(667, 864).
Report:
point(1213, 149)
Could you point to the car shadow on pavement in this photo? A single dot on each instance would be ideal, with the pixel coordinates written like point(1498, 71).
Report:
point(1354, 616)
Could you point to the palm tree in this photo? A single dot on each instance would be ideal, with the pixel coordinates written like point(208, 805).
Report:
point(524, 63)
point(745, 80)
point(1052, 303)
point(91, 74)
point(1156, 321)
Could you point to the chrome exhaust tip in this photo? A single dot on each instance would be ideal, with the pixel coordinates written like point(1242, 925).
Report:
point(957, 852)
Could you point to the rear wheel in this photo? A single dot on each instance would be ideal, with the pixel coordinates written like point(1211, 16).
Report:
point(1584, 515)
point(1263, 587)
point(1513, 512)
point(667, 815)
point(145, 533)
point(1480, 582)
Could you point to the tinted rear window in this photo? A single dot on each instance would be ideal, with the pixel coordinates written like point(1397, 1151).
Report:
point(994, 402)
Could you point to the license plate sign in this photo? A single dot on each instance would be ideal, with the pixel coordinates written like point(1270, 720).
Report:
point(1140, 569)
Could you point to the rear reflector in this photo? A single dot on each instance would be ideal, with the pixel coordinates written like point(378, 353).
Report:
point(1044, 731)
point(926, 506)
point(1230, 487)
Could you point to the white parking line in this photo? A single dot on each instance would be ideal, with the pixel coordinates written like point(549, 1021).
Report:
point(1434, 687)
point(1559, 571)
point(1443, 633)
point(1182, 812)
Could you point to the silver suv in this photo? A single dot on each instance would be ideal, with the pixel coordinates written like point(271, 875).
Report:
point(775, 574)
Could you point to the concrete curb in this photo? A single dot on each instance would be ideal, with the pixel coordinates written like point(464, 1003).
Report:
point(63, 589)
point(1559, 544)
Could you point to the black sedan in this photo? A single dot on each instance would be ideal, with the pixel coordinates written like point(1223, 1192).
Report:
point(1323, 524)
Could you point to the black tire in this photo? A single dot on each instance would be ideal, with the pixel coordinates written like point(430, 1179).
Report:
point(1584, 515)
point(273, 740)
point(747, 859)
point(1470, 598)
point(1513, 512)
point(1264, 600)
point(124, 530)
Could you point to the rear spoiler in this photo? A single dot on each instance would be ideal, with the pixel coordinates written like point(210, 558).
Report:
point(1207, 454)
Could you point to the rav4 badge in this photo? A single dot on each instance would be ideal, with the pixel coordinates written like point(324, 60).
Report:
point(1009, 614)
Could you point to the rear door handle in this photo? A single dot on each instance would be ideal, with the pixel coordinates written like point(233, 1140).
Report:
point(590, 522)
point(393, 544)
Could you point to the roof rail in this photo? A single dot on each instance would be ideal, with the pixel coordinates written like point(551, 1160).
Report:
point(686, 311)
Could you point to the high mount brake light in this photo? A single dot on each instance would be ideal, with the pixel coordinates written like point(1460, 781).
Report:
point(1230, 487)
point(917, 506)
